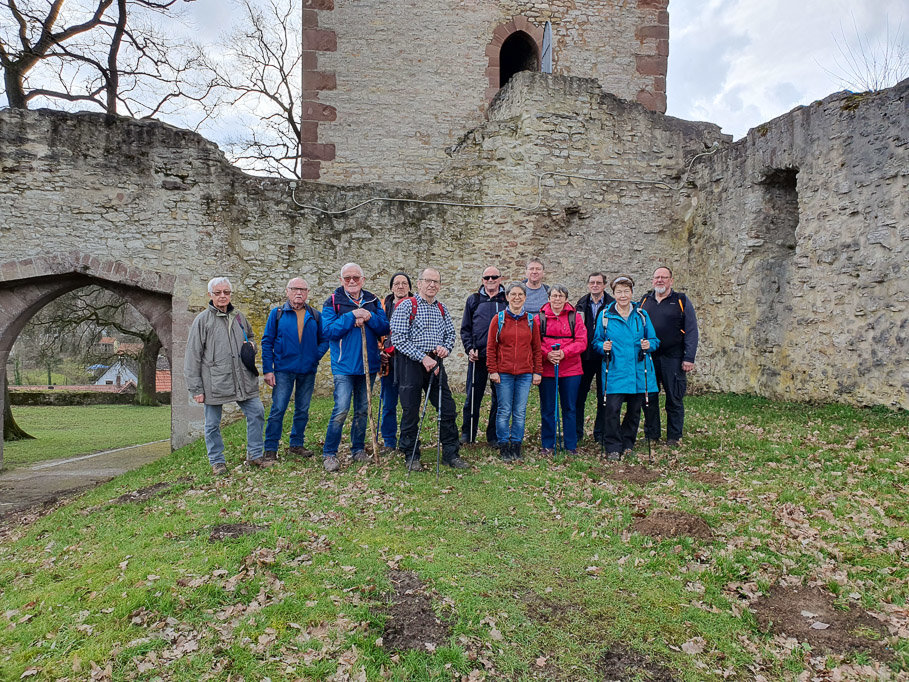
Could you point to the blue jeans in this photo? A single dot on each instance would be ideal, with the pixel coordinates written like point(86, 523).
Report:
point(512, 391)
point(254, 412)
point(568, 398)
point(280, 397)
point(348, 386)
point(389, 411)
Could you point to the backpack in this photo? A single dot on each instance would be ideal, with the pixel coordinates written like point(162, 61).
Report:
point(682, 299)
point(571, 322)
point(413, 308)
point(316, 315)
point(501, 318)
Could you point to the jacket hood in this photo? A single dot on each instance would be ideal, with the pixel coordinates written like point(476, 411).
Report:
point(482, 291)
point(367, 296)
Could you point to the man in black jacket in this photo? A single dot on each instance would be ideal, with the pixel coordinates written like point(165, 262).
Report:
point(676, 327)
point(590, 306)
point(481, 307)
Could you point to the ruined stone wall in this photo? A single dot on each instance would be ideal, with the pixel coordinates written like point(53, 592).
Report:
point(800, 242)
point(401, 80)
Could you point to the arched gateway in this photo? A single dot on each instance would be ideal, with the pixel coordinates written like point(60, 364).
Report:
point(28, 285)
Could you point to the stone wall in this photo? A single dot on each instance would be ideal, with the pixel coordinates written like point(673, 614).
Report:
point(800, 240)
point(403, 79)
point(792, 242)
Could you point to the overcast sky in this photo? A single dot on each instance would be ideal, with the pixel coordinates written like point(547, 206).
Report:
point(738, 63)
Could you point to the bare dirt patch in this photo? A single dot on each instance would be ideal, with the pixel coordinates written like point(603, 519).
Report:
point(143, 494)
point(665, 523)
point(621, 663)
point(549, 611)
point(632, 473)
point(412, 624)
point(808, 614)
point(233, 530)
point(709, 478)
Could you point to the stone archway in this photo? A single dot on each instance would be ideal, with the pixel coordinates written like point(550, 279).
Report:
point(28, 285)
point(521, 31)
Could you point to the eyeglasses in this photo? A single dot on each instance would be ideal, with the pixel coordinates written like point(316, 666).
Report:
point(297, 290)
point(489, 278)
point(351, 278)
point(226, 292)
point(437, 282)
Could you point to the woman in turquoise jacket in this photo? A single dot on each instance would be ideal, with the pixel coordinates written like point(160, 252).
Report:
point(625, 337)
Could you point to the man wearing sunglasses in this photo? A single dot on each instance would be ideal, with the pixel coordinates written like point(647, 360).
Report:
point(482, 305)
point(344, 313)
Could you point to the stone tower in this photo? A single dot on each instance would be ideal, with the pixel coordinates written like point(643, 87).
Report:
point(392, 83)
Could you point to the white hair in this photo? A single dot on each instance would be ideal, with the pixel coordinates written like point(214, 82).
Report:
point(215, 281)
point(351, 265)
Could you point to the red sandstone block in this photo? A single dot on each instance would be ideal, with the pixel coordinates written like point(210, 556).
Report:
point(319, 80)
point(317, 151)
point(310, 60)
point(309, 131)
point(316, 111)
point(649, 32)
point(493, 50)
point(648, 65)
point(326, 5)
point(310, 18)
point(663, 18)
point(311, 170)
point(521, 23)
point(490, 93)
point(9, 270)
point(492, 72)
point(663, 48)
point(510, 28)
point(320, 40)
point(659, 84)
point(653, 4)
point(653, 101)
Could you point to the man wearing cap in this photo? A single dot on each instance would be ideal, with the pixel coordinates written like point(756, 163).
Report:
point(292, 346)
point(676, 327)
point(423, 335)
point(216, 374)
point(482, 305)
point(400, 289)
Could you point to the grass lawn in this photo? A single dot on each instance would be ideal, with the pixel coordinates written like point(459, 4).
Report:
point(524, 572)
point(67, 431)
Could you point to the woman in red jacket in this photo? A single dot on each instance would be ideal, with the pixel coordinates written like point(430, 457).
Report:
point(514, 360)
point(560, 325)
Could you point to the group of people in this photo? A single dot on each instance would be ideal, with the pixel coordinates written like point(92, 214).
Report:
point(516, 335)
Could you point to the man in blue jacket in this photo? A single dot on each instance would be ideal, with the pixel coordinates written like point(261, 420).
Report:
point(344, 313)
point(292, 346)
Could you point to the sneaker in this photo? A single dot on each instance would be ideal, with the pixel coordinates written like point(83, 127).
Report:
point(546, 452)
point(300, 451)
point(331, 463)
point(270, 456)
point(613, 456)
point(457, 463)
point(261, 463)
point(219, 469)
point(360, 456)
point(414, 465)
point(674, 443)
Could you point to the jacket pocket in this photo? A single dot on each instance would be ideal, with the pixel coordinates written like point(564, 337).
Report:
point(222, 382)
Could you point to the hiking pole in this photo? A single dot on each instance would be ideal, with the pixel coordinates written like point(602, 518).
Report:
point(439, 421)
point(608, 356)
point(558, 428)
point(416, 442)
point(646, 405)
point(470, 377)
point(372, 422)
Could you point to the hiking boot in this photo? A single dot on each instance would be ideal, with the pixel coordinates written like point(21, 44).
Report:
point(516, 452)
point(457, 463)
point(300, 451)
point(546, 452)
point(674, 443)
point(219, 469)
point(505, 452)
point(270, 456)
point(359, 456)
point(331, 463)
point(261, 463)
point(464, 439)
point(414, 465)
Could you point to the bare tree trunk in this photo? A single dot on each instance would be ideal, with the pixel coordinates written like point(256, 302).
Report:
point(15, 94)
point(146, 388)
point(11, 430)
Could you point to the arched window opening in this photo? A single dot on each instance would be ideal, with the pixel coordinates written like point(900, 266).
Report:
point(519, 53)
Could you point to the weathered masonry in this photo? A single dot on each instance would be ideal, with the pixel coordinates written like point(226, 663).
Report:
point(792, 242)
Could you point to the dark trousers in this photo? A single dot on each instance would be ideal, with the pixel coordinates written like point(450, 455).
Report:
point(673, 381)
point(413, 380)
point(620, 437)
point(478, 377)
point(593, 371)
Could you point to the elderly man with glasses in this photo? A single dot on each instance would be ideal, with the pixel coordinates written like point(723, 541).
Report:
point(344, 313)
point(292, 346)
point(481, 307)
point(423, 335)
point(216, 374)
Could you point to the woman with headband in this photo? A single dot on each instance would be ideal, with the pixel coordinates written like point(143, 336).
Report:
point(624, 336)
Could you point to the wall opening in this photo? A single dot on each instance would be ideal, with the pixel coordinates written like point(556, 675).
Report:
point(519, 53)
point(780, 207)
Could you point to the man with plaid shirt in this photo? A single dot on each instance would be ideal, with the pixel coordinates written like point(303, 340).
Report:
point(423, 335)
